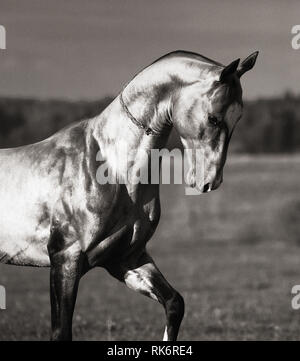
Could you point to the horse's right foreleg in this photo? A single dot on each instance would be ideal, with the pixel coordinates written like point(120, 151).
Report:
point(65, 273)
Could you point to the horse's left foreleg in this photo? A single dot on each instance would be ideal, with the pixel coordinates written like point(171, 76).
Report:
point(143, 276)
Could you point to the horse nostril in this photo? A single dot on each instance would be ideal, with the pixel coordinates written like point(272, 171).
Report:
point(206, 187)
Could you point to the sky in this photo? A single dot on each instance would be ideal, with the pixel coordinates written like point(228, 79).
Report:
point(88, 49)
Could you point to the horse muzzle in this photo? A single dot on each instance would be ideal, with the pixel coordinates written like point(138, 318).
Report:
point(208, 187)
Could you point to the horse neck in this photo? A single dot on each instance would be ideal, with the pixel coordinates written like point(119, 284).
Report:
point(148, 100)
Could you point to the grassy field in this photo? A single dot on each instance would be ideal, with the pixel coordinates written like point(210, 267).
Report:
point(233, 254)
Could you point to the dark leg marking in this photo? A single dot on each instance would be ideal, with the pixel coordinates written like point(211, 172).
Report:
point(65, 272)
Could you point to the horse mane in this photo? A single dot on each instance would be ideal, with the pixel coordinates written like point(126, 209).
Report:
point(179, 53)
point(190, 54)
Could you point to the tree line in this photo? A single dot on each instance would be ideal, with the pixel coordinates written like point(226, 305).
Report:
point(267, 125)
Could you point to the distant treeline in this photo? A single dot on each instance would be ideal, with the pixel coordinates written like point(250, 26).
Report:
point(267, 126)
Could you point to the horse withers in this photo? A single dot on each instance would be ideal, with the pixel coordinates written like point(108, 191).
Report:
point(55, 213)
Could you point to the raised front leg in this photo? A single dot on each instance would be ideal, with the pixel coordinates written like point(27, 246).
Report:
point(146, 278)
point(65, 273)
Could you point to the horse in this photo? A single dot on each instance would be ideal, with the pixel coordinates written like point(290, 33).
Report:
point(55, 213)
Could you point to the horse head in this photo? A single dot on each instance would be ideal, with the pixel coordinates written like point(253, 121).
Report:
point(205, 113)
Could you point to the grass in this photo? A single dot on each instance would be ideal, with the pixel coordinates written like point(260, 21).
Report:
point(234, 255)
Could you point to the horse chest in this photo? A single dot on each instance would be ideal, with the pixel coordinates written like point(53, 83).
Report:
point(132, 227)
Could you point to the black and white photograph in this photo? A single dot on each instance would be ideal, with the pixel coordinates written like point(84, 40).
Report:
point(149, 173)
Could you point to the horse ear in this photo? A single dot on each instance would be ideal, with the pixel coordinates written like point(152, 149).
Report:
point(247, 64)
point(228, 70)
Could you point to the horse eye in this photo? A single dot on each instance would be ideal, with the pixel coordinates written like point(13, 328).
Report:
point(213, 120)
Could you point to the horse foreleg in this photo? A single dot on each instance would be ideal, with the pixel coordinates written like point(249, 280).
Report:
point(65, 273)
point(145, 277)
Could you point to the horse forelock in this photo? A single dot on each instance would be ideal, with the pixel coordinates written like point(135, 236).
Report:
point(224, 94)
